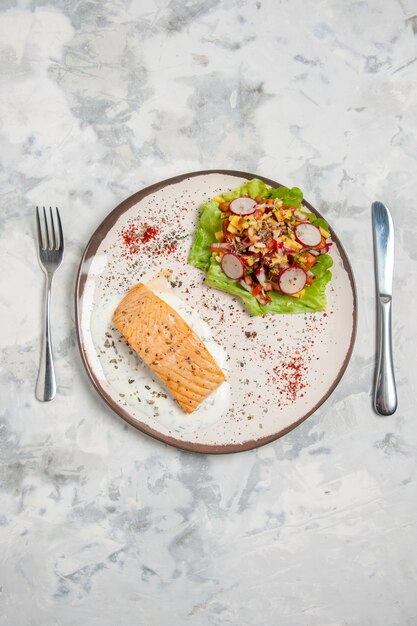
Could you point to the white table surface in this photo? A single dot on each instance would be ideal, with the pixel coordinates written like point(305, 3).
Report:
point(99, 524)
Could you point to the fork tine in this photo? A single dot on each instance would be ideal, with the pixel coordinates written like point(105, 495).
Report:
point(61, 236)
point(39, 229)
point(53, 229)
point(48, 242)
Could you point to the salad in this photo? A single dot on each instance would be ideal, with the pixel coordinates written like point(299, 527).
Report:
point(261, 244)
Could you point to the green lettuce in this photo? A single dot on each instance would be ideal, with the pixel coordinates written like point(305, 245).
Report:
point(255, 187)
point(210, 222)
point(314, 298)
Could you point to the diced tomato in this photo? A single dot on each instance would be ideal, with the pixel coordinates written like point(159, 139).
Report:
point(258, 214)
point(257, 289)
point(309, 280)
point(270, 244)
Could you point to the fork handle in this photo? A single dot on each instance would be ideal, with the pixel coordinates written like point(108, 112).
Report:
point(46, 383)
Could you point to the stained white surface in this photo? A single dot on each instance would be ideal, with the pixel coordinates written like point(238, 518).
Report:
point(100, 524)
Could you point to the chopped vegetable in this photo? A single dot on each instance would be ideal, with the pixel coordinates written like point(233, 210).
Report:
point(243, 206)
point(308, 235)
point(233, 266)
point(292, 280)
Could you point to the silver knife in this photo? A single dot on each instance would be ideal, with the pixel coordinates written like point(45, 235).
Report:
point(385, 396)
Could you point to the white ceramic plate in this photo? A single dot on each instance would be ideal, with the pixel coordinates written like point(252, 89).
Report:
point(280, 368)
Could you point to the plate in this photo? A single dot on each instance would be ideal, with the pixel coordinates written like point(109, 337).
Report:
point(279, 368)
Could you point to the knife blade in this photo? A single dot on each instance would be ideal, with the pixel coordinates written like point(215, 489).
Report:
point(385, 393)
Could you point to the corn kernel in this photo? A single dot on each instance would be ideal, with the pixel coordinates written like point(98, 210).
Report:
point(235, 221)
point(218, 199)
point(324, 232)
point(219, 235)
point(299, 294)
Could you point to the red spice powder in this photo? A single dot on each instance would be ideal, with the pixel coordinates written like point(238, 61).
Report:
point(148, 234)
point(291, 374)
point(135, 239)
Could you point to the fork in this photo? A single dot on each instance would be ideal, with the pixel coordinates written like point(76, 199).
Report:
point(50, 255)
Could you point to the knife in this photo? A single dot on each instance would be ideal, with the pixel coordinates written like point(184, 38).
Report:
point(385, 395)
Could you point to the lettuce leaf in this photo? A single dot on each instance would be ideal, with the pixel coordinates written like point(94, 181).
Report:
point(290, 197)
point(210, 222)
point(320, 222)
point(255, 187)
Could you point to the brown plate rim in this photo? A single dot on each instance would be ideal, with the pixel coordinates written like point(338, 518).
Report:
point(91, 249)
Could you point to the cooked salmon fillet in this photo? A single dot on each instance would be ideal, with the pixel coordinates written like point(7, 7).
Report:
point(168, 345)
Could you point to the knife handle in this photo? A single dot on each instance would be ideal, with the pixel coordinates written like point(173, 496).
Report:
point(385, 400)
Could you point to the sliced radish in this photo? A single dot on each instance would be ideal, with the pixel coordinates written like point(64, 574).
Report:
point(232, 266)
point(315, 252)
point(292, 280)
point(289, 250)
point(225, 245)
point(326, 248)
point(243, 206)
point(245, 285)
point(300, 216)
point(308, 235)
point(261, 275)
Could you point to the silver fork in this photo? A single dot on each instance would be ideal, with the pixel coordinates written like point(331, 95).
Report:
point(50, 255)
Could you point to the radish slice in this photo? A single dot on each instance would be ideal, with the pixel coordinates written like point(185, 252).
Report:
point(243, 206)
point(226, 245)
point(261, 275)
point(326, 248)
point(308, 235)
point(232, 266)
point(292, 280)
point(245, 285)
point(300, 216)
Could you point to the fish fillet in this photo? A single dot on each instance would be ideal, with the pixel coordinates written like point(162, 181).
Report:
point(168, 345)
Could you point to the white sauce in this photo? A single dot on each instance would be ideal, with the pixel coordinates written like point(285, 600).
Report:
point(146, 394)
